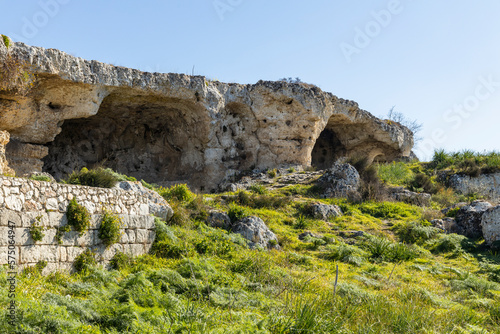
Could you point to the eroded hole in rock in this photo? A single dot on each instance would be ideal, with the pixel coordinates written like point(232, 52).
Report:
point(156, 139)
point(327, 149)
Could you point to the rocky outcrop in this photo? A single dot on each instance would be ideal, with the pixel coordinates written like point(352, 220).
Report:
point(4, 165)
point(219, 219)
point(486, 185)
point(325, 211)
point(256, 231)
point(167, 128)
point(401, 194)
point(490, 223)
point(468, 219)
point(342, 180)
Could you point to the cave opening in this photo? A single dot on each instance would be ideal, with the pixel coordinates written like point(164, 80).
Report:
point(327, 150)
point(158, 140)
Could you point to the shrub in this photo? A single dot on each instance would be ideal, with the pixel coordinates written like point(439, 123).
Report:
point(167, 249)
point(181, 215)
point(395, 173)
point(6, 41)
point(422, 182)
point(121, 177)
point(414, 232)
point(109, 230)
point(42, 177)
point(120, 261)
point(198, 209)
point(214, 243)
point(36, 269)
point(449, 243)
point(345, 253)
point(36, 230)
point(99, 177)
point(85, 261)
point(258, 189)
point(60, 232)
point(178, 192)
point(371, 188)
point(272, 173)
point(78, 217)
point(236, 213)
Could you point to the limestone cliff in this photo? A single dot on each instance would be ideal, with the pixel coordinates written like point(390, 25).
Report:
point(168, 128)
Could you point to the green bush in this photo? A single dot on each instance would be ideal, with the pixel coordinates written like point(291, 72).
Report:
point(345, 253)
point(236, 213)
point(423, 183)
point(167, 249)
point(395, 173)
point(43, 178)
point(178, 192)
point(214, 243)
point(414, 232)
point(120, 261)
point(109, 230)
point(36, 230)
point(6, 41)
point(84, 261)
point(449, 243)
point(99, 177)
point(272, 173)
point(36, 269)
point(78, 217)
point(258, 189)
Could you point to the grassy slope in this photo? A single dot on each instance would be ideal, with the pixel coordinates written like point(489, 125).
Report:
point(204, 280)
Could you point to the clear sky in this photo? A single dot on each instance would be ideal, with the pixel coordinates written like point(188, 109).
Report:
point(436, 61)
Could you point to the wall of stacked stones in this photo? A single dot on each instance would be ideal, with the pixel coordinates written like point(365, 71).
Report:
point(24, 201)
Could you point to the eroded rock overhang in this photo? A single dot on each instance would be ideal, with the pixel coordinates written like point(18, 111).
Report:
point(168, 128)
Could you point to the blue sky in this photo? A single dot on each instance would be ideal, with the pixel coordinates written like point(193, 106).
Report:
point(436, 61)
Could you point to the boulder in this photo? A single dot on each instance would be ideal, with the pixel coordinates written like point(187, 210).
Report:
point(448, 225)
point(157, 204)
point(325, 211)
point(469, 217)
point(256, 231)
point(219, 219)
point(401, 194)
point(342, 180)
point(490, 223)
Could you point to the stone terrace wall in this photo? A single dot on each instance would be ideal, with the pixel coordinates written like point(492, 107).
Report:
point(24, 201)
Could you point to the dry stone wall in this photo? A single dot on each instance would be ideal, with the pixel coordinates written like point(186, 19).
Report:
point(24, 201)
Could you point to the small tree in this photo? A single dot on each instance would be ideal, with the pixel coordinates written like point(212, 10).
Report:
point(400, 118)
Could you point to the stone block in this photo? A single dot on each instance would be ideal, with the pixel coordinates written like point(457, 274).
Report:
point(134, 249)
point(7, 215)
point(131, 236)
point(142, 236)
point(35, 253)
point(52, 204)
point(73, 252)
point(4, 254)
point(15, 202)
point(57, 219)
point(106, 254)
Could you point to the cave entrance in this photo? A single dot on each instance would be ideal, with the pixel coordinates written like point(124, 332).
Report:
point(159, 140)
point(327, 150)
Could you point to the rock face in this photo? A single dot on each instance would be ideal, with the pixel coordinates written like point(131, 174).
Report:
point(490, 224)
point(469, 217)
point(255, 230)
point(324, 211)
point(487, 185)
point(167, 128)
point(339, 181)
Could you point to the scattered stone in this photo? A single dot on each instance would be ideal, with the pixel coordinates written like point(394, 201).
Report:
point(469, 217)
point(351, 234)
point(490, 223)
point(448, 225)
point(309, 234)
point(342, 180)
point(325, 211)
point(219, 219)
point(256, 231)
point(401, 194)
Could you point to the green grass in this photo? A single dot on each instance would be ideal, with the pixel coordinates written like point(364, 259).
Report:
point(401, 276)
